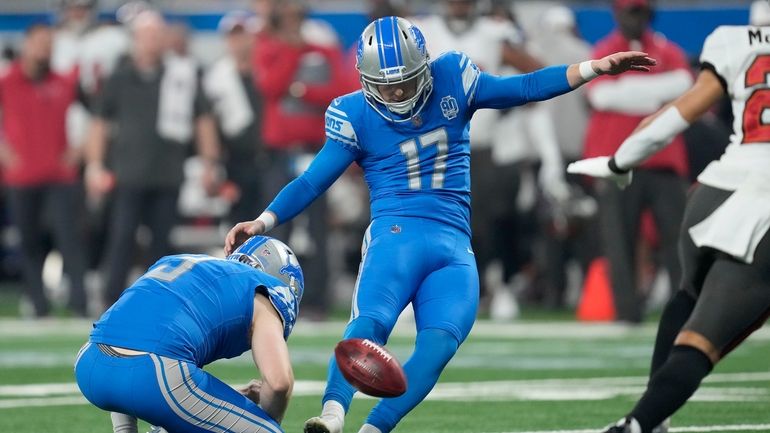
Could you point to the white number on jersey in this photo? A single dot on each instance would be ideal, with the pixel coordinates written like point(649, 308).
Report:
point(168, 273)
point(411, 151)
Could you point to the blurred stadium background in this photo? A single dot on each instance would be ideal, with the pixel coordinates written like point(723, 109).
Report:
point(532, 363)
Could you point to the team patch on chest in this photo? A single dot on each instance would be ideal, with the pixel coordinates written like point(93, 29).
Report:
point(449, 107)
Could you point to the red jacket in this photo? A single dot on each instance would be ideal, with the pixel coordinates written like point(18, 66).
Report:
point(34, 126)
point(296, 122)
point(607, 129)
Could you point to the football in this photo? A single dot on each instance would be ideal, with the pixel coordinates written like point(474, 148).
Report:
point(370, 368)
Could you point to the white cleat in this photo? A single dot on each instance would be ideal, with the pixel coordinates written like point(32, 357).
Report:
point(324, 424)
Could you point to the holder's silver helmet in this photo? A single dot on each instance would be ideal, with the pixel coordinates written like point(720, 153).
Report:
point(392, 50)
point(276, 259)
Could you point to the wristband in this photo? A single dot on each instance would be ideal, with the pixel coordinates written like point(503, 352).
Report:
point(587, 71)
point(614, 167)
point(268, 219)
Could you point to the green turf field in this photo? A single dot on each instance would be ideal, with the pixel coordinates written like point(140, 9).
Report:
point(530, 377)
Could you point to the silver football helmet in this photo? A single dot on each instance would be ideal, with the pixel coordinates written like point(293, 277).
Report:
point(276, 259)
point(392, 50)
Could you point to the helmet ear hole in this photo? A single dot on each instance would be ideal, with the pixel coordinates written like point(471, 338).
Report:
point(370, 40)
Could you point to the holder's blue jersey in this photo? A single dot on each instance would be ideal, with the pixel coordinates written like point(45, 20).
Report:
point(420, 167)
point(189, 307)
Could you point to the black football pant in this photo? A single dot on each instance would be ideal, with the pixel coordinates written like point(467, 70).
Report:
point(157, 208)
point(732, 297)
point(28, 206)
point(620, 211)
point(281, 169)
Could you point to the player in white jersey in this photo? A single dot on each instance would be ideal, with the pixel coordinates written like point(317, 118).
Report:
point(724, 246)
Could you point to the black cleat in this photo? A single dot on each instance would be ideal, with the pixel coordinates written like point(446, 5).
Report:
point(625, 425)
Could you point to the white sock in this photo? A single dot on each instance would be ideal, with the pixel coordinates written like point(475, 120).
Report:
point(368, 428)
point(333, 409)
point(122, 423)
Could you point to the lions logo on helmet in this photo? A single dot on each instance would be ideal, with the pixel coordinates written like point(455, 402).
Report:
point(420, 40)
point(392, 50)
point(276, 259)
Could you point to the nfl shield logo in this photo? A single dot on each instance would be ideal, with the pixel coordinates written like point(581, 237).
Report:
point(449, 107)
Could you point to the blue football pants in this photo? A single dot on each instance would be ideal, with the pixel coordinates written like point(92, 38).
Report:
point(173, 394)
point(430, 265)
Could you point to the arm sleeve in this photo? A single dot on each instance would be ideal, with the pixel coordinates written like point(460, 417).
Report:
point(506, 92)
point(327, 166)
point(650, 139)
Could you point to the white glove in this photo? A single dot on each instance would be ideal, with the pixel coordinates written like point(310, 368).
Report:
point(600, 167)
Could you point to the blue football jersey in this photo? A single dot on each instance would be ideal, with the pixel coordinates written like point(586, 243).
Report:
point(417, 168)
point(195, 308)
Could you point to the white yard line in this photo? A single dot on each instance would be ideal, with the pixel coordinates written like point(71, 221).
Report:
point(40, 402)
point(572, 389)
point(482, 328)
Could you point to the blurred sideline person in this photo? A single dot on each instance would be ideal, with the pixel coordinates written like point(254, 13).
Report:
point(75, 19)
point(491, 44)
point(725, 291)
point(298, 78)
point(40, 168)
point(408, 130)
point(203, 309)
point(317, 31)
point(557, 42)
point(524, 148)
point(151, 107)
point(92, 48)
point(564, 223)
point(230, 85)
point(178, 39)
point(619, 104)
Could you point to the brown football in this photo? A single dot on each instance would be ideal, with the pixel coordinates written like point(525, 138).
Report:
point(370, 368)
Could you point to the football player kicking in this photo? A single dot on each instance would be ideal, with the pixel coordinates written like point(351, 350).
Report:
point(145, 355)
point(723, 244)
point(408, 130)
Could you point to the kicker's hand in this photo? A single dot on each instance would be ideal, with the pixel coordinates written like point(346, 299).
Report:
point(600, 167)
point(242, 231)
point(618, 63)
point(252, 390)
